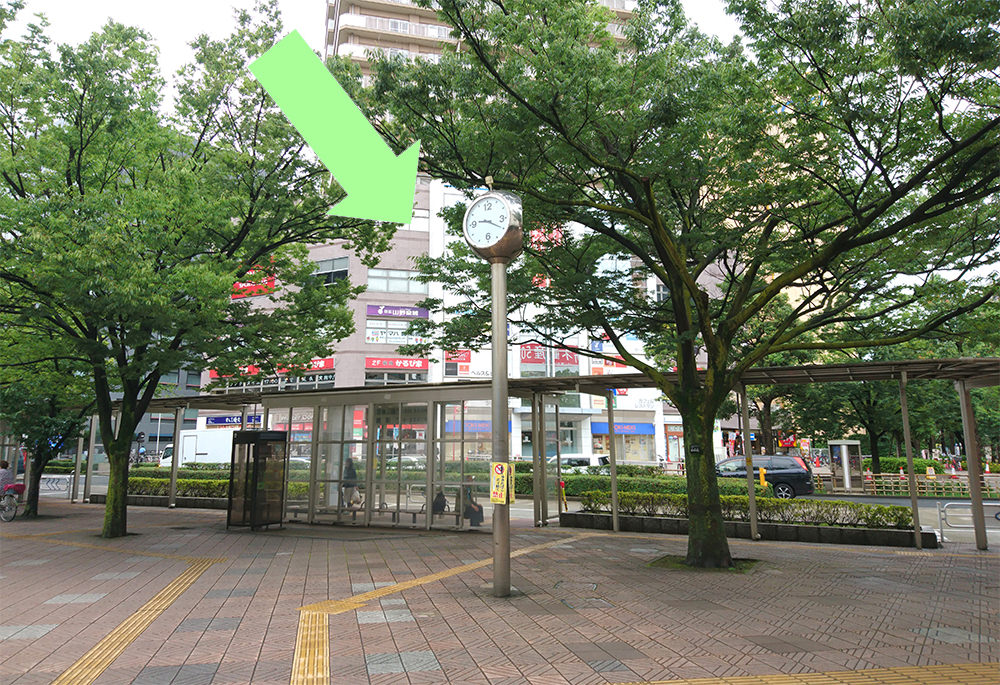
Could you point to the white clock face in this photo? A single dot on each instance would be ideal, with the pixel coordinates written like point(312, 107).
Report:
point(487, 221)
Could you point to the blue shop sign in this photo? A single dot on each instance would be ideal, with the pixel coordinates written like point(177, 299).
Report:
point(452, 426)
point(601, 428)
point(230, 420)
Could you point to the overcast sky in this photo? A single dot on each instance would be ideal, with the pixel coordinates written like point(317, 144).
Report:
point(173, 25)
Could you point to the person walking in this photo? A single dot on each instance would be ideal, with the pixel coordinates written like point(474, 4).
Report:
point(350, 484)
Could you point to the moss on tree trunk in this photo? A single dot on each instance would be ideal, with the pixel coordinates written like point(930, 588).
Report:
point(116, 506)
point(707, 544)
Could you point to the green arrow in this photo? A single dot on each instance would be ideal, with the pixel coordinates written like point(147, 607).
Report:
point(379, 185)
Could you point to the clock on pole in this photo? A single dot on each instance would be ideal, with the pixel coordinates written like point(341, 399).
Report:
point(492, 227)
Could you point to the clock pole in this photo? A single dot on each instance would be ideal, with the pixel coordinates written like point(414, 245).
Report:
point(501, 450)
point(492, 227)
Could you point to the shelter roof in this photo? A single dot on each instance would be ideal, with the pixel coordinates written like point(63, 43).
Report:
point(975, 372)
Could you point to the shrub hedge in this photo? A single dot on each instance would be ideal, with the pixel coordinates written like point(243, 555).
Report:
point(769, 509)
point(187, 472)
point(893, 464)
point(576, 485)
point(186, 487)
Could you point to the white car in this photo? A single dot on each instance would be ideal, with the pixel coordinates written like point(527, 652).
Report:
point(578, 464)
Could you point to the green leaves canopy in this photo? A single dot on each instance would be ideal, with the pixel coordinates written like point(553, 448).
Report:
point(815, 177)
point(124, 232)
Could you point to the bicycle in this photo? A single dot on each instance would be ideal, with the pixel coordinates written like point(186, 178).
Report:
point(8, 503)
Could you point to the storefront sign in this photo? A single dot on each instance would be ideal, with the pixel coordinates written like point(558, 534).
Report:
point(534, 353)
point(471, 426)
point(396, 311)
point(258, 283)
point(237, 420)
point(251, 370)
point(399, 363)
point(601, 428)
point(458, 356)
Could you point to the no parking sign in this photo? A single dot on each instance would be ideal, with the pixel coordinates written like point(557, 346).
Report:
point(498, 482)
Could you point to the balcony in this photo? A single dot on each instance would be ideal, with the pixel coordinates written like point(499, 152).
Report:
point(369, 26)
point(360, 52)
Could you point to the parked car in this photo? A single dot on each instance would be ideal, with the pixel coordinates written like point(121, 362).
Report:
point(788, 476)
point(407, 463)
point(578, 464)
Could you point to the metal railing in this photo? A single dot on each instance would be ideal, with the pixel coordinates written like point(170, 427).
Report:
point(938, 485)
point(958, 515)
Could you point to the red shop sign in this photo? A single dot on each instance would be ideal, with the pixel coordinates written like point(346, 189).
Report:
point(399, 363)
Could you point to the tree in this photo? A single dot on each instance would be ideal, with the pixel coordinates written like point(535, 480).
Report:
point(43, 411)
point(124, 233)
point(841, 157)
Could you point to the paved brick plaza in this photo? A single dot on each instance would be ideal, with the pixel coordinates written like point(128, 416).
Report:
point(184, 601)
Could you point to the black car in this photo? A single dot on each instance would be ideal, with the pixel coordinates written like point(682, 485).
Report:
point(788, 476)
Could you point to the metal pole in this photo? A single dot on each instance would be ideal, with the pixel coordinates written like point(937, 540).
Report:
point(972, 461)
point(905, 411)
point(538, 458)
point(159, 420)
point(175, 457)
point(558, 487)
point(748, 456)
point(613, 454)
point(94, 427)
point(543, 499)
point(501, 451)
point(72, 492)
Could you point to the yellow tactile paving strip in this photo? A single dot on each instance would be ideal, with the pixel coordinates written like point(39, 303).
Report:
point(956, 674)
point(312, 643)
point(88, 667)
point(311, 663)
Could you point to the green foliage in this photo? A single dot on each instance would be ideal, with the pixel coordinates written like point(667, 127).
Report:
point(577, 485)
point(124, 232)
point(769, 509)
point(893, 464)
point(186, 472)
point(839, 153)
point(186, 487)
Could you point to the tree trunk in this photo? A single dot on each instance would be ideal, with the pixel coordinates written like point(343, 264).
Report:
point(707, 544)
point(116, 506)
point(34, 485)
point(766, 427)
point(876, 464)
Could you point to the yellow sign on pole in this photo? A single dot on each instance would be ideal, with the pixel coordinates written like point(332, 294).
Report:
point(499, 479)
point(763, 482)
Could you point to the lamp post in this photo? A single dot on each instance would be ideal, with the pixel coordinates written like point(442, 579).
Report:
point(492, 228)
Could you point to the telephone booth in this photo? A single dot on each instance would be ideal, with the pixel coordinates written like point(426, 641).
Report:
point(845, 465)
point(257, 479)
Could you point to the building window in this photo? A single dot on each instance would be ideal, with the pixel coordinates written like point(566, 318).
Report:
point(374, 378)
point(662, 292)
point(395, 281)
point(330, 270)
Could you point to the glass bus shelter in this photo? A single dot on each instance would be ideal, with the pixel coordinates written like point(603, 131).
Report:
point(382, 456)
